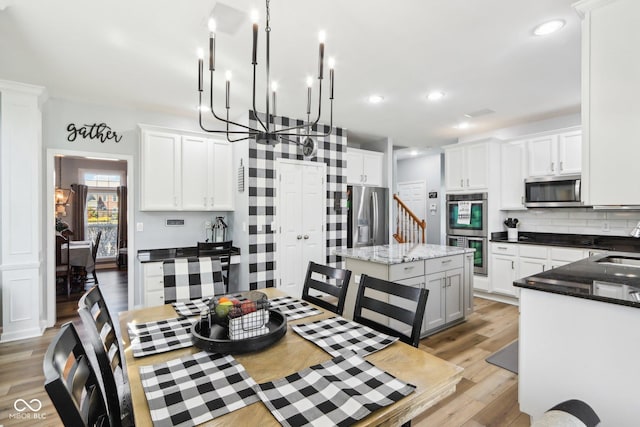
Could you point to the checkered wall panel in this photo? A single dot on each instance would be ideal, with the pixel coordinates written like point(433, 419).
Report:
point(262, 187)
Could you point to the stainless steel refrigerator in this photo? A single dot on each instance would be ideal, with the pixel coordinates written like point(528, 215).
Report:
point(367, 216)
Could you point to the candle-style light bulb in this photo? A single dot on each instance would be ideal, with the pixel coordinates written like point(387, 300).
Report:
point(227, 89)
point(200, 53)
point(274, 89)
point(212, 44)
point(332, 64)
point(322, 36)
point(254, 20)
point(309, 81)
point(309, 84)
point(274, 86)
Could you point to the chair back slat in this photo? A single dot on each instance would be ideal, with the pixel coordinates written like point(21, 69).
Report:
point(390, 310)
point(191, 278)
point(220, 251)
point(335, 284)
point(71, 381)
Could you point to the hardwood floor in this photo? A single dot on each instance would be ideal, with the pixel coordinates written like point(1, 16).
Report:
point(486, 396)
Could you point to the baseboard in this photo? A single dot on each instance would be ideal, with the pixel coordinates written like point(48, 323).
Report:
point(496, 297)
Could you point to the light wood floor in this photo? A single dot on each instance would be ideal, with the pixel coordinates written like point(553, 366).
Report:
point(486, 396)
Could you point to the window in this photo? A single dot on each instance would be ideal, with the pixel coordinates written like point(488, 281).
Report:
point(102, 209)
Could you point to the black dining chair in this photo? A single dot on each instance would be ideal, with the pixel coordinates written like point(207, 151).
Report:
point(326, 287)
point(63, 269)
point(394, 309)
point(191, 278)
point(220, 251)
point(71, 381)
point(94, 255)
point(106, 344)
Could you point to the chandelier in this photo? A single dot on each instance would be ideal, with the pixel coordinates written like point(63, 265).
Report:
point(265, 131)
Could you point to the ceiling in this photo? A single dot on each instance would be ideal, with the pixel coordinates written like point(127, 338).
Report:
point(142, 54)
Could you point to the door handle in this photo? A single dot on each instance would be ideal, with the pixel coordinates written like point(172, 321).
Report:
point(306, 236)
point(299, 236)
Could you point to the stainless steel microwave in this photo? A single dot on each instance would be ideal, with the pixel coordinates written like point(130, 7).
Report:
point(552, 192)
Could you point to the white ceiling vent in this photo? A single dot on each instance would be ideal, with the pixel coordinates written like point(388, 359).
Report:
point(478, 113)
point(228, 19)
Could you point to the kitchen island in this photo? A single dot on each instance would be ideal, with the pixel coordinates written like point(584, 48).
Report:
point(579, 337)
point(446, 271)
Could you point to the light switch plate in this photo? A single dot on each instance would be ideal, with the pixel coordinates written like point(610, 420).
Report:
point(140, 226)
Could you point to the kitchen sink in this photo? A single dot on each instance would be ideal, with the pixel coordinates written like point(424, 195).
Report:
point(623, 261)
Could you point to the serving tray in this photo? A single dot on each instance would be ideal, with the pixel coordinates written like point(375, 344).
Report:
point(215, 339)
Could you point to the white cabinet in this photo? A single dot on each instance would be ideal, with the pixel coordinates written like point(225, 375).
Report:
point(610, 107)
point(454, 295)
point(185, 172)
point(365, 167)
point(153, 284)
point(434, 315)
point(513, 172)
point(503, 273)
point(559, 154)
point(467, 167)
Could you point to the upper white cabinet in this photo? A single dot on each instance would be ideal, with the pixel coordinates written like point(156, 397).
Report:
point(610, 103)
point(185, 172)
point(365, 167)
point(513, 171)
point(559, 154)
point(467, 167)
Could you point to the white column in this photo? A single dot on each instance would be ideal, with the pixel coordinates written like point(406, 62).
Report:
point(21, 210)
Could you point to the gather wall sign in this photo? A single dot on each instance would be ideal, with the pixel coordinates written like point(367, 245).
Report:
point(99, 131)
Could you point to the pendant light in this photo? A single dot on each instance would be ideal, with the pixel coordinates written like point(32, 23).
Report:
point(62, 195)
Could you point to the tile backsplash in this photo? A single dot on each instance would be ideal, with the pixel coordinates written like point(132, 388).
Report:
point(576, 221)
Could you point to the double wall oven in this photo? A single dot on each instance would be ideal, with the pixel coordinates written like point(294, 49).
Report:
point(467, 226)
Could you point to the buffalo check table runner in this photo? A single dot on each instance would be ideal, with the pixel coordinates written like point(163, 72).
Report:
point(293, 308)
point(191, 308)
point(158, 337)
point(338, 392)
point(337, 335)
point(196, 388)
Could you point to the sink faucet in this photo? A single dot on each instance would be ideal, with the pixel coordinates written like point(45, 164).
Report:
point(636, 231)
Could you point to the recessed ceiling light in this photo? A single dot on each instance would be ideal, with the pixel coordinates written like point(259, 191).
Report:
point(414, 152)
point(376, 99)
point(436, 95)
point(548, 27)
point(462, 125)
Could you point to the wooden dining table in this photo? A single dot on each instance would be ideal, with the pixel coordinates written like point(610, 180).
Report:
point(433, 377)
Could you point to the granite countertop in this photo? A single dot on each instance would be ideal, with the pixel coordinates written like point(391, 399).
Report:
point(581, 279)
point(398, 253)
point(158, 255)
point(584, 241)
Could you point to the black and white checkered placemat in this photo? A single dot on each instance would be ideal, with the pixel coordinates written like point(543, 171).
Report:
point(293, 308)
point(158, 337)
point(338, 392)
point(191, 308)
point(196, 388)
point(337, 335)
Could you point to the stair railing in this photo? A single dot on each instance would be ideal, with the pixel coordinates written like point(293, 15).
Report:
point(409, 228)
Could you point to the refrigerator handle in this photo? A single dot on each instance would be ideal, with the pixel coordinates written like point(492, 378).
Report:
point(374, 199)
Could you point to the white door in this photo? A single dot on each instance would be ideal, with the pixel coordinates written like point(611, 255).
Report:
point(413, 194)
point(301, 217)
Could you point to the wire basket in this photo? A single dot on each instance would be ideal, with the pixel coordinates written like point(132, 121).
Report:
point(243, 315)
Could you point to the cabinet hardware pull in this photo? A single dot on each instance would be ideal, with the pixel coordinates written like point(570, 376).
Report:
point(468, 182)
point(444, 282)
point(409, 268)
point(561, 166)
point(365, 178)
point(522, 200)
point(552, 166)
point(299, 236)
point(361, 178)
point(446, 261)
point(504, 248)
point(212, 201)
point(461, 182)
point(543, 267)
point(306, 236)
point(512, 265)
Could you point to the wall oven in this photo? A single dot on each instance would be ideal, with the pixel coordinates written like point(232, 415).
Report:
point(479, 256)
point(467, 226)
point(467, 214)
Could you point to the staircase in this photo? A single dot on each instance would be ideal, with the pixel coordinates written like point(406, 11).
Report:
point(409, 228)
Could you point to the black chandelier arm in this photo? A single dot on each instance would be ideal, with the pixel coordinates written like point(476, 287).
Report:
point(214, 113)
point(330, 119)
point(255, 111)
point(250, 131)
point(249, 135)
point(308, 125)
point(290, 140)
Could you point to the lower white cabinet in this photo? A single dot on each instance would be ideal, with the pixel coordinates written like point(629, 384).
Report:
point(513, 261)
point(153, 284)
point(434, 315)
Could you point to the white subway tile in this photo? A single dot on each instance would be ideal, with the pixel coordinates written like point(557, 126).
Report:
point(628, 215)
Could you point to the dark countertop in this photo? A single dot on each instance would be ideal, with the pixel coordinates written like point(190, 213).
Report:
point(585, 241)
point(158, 255)
point(581, 279)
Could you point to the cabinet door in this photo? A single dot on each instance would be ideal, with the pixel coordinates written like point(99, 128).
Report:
point(195, 154)
point(570, 152)
point(434, 314)
point(416, 282)
point(512, 175)
point(222, 177)
point(530, 266)
point(454, 168)
point(541, 159)
point(355, 174)
point(477, 166)
point(503, 273)
point(454, 295)
point(372, 168)
point(467, 284)
point(160, 162)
